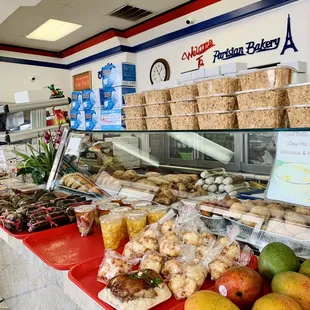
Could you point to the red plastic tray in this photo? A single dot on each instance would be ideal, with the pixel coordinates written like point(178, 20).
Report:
point(84, 275)
point(63, 247)
point(20, 236)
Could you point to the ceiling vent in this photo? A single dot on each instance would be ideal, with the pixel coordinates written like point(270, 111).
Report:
point(130, 13)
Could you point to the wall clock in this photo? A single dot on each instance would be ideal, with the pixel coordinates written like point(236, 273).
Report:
point(160, 71)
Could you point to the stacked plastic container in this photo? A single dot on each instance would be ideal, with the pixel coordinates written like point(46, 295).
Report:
point(217, 102)
point(183, 106)
point(157, 109)
point(263, 97)
point(299, 109)
point(134, 111)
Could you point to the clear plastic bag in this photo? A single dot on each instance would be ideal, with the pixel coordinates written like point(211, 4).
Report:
point(114, 264)
point(152, 260)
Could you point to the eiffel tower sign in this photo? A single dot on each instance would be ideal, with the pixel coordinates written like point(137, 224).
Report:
point(289, 43)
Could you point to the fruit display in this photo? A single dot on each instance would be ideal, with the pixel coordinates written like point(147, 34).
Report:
point(207, 300)
point(294, 285)
point(276, 258)
point(242, 285)
point(276, 302)
point(305, 268)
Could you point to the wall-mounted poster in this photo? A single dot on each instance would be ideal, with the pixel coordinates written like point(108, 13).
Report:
point(290, 177)
point(82, 81)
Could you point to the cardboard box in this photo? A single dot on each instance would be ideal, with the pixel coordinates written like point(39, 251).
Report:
point(93, 99)
point(112, 120)
point(77, 100)
point(299, 66)
point(32, 95)
point(233, 67)
point(215, 71)
point(77, 119)
point(122, 74)
point(113, 97)
point(93, 119)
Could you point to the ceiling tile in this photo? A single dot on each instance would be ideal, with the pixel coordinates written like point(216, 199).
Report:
point(45, 8)
point(20, 24)
point(78, 16)
point(158, 6)
point(61, 1)
point(32, 43)
point(9, 38)
point(98, 6)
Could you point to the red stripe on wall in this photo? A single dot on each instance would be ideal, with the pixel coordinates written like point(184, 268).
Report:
point(169, 16)
point(90, 42)
point(25, 50)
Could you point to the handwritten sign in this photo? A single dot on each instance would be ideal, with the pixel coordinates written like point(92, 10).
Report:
point(253, 47)
point(290, 177)
point(82, 81)
point(198, 51)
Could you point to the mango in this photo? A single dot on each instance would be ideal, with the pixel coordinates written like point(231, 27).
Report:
point(276, 301)
point(207, 300)
point(294, 285)
point(305, 268)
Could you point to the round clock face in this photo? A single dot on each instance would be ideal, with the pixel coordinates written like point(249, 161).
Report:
point(160, 71)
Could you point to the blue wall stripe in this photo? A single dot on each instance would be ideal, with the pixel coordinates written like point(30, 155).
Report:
point(104, 54)
point(250, 10)
point(32, 62)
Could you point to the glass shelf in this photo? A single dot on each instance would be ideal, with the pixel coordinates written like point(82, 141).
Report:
point(200, 131)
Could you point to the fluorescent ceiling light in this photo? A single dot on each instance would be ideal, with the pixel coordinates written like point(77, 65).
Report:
point(53, 30)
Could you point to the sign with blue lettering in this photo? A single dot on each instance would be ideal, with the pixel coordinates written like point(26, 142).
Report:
point(253, 47)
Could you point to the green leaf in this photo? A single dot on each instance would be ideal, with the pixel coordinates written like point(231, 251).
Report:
point(23, 171)
point(22, 155)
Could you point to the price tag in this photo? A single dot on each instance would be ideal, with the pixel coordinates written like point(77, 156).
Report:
point(290, 176)
point(74, 145)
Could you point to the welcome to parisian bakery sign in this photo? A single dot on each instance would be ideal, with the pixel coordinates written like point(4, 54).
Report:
point(249, 48)
point(253, 47)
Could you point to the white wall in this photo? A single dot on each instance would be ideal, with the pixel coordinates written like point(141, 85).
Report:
point(16, 77)
point(268, 25)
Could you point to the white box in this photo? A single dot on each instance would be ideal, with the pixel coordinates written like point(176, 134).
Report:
point(233, 67)
point(121, 74)
point(298, 78)
point(113, 97)
point(93, 99)
point(299, 66)
point(199, 74)
point(77, 119)
point(32, 95)
point(93, 119)
point(215, 71)
point(77, 100)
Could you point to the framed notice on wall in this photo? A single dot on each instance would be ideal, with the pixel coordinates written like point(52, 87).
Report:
point(82, 81)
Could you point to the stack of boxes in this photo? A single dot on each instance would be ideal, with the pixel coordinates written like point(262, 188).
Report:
point(117, 80)
point(102, 108)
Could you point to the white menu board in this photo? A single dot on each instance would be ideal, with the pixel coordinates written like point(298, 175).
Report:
point(290, 176)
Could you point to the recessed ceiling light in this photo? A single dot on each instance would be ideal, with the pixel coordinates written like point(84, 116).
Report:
point(53, 30)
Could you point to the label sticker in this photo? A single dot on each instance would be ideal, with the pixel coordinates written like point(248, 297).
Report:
point(223, 290)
